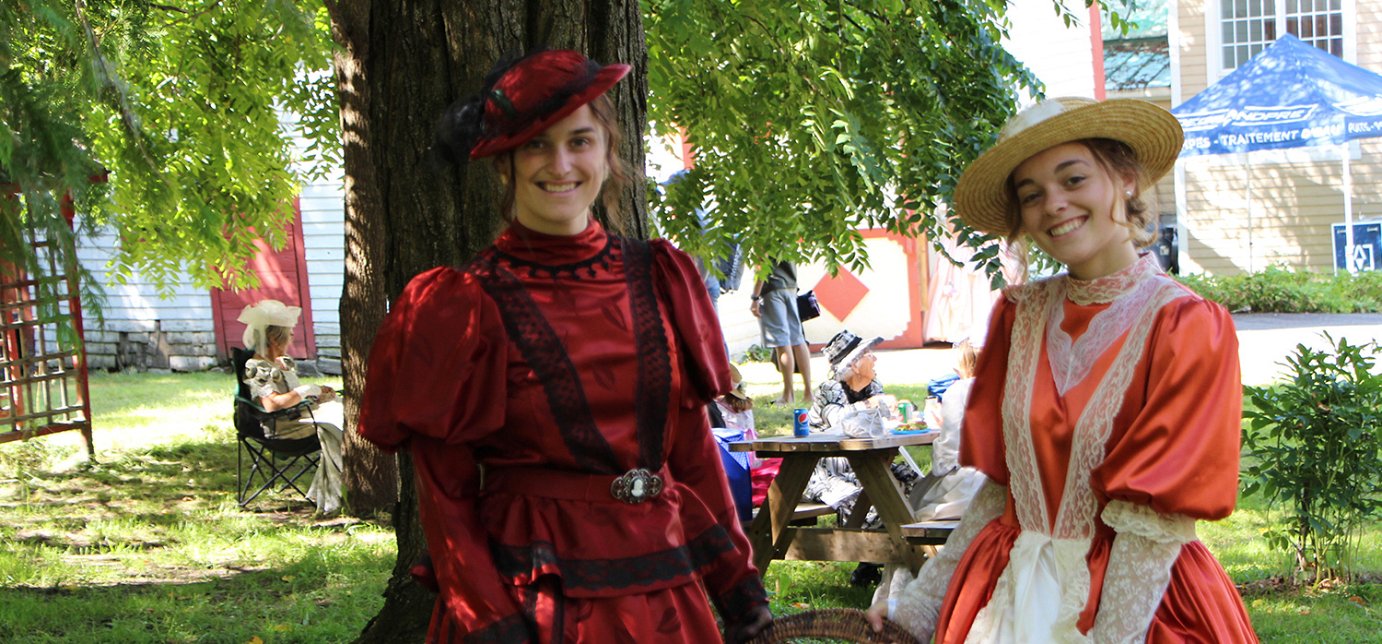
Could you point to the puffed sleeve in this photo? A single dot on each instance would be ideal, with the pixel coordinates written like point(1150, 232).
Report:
point(1180, 454)
point(828, 406)
point(982, 432)
point(708, 513)
point(437, 365)
point(259, 377)
point(436, 381)
point(693, 318)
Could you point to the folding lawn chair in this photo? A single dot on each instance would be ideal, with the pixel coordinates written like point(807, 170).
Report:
point(263, 463)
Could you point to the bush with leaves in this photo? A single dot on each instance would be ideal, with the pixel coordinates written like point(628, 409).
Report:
point(1281, 290)
point(1314, 443)
point(756, 353)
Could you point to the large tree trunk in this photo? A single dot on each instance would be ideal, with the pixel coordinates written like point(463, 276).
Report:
point(400, 64)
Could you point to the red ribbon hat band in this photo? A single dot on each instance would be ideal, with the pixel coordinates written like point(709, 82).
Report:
point(536, 92)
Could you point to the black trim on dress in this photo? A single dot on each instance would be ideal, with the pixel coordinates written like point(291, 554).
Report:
point(542, 349)
point(650, 340)
point(514, 562)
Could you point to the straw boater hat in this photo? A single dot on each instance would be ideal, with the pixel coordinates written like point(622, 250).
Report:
point(982, 196)
point(736, 381)
point(845, 348)
point(266, 313)
point(537, 91)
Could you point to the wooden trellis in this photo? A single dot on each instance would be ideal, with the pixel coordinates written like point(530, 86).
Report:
point(43, 379)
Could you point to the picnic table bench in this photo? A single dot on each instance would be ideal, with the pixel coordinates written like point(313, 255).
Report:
point(930, 533)
point(773, 533)
point(805, 513)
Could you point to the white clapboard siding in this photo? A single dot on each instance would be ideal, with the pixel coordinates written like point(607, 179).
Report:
point(137, 321)
point(323, 241)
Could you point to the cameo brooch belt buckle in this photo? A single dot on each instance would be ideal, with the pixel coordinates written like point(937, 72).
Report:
point(636, 486)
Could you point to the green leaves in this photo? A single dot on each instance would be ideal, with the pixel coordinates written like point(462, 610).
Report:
point(178, 105)
point(1314, 444)
point(811, 119)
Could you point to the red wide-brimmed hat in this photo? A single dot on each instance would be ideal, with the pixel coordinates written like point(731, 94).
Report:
point(536, 92)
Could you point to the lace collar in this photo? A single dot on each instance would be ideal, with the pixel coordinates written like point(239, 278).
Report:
point(1102, 290)
point(1126, 291)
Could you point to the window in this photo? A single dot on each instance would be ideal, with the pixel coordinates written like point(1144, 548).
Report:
point(1318, 22)
point(1249, 26)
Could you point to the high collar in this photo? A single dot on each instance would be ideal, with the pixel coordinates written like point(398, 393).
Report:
point(1102, 290)
point(528, 245)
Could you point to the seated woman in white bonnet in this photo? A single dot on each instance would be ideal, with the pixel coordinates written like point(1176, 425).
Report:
point(273, 380)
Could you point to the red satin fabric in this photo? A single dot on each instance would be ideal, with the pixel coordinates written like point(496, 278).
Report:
point(446, 382)
point(1174, 447)
point(677, 614)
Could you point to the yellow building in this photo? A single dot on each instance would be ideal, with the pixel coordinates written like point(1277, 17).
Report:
point(1244, 212)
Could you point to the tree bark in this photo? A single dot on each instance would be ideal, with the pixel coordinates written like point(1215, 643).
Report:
point(371, 476)
point(400, 64)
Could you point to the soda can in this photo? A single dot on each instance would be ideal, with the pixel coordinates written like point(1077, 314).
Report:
point(800, 427)
point(904, 409)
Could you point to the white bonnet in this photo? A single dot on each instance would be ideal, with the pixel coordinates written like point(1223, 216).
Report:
point(266, 313)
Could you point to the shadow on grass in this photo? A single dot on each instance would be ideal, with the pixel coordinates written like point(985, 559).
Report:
point(151, 546)
point(303, 601)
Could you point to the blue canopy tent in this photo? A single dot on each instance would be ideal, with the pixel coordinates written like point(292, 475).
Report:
point(1289, 95)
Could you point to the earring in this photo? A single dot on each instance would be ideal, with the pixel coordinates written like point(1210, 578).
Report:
point(1128, 193)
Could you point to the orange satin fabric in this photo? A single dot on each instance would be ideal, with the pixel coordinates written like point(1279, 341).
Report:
point(1174, 447)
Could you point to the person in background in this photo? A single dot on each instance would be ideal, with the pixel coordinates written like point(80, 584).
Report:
point(731, 420)
point(572, 367)
point(850, 401)
point(774, 303)
point(852, 384)
point(272, 378)
point(705, 269)
point(1105, 411)
point(735, 408)
point(945, 492)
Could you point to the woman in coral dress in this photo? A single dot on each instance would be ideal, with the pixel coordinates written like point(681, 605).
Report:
point(1105, 412)
point(552, 394)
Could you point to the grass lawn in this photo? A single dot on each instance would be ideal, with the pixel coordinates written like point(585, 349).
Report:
point(149, 545)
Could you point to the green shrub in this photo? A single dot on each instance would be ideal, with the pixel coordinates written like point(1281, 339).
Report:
point(1314, 443)
point(757, 353)
point(1280, 290)
point(1363, 289)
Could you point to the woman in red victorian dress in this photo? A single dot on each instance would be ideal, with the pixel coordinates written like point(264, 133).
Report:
point(552, 394)
point(1105, 411)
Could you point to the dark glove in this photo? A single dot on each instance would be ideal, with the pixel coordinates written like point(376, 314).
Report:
point(750, 626)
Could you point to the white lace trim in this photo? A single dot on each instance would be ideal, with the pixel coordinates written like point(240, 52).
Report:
point(1139, 569)
point(1106, 289)
point(1088, 445)
point(1072, 360)
point(1023, 356)
point(1131, 518)
point(1073, 529)
point(918, 606)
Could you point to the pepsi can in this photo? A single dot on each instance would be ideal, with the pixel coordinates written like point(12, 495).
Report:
point(800, 428)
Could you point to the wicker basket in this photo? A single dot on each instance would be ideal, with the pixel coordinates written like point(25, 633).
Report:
point(846, 624)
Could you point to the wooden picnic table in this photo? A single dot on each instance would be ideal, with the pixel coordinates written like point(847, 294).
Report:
point(771, 534)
